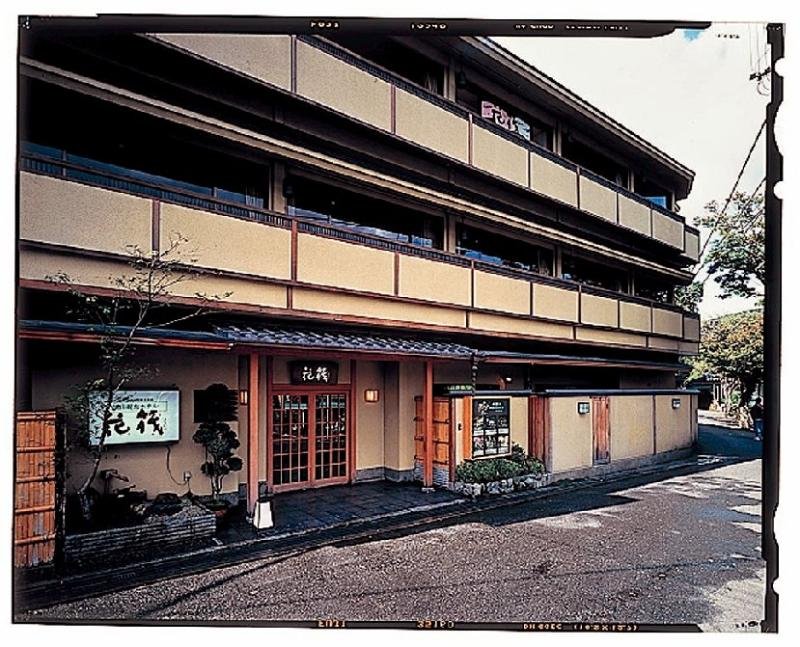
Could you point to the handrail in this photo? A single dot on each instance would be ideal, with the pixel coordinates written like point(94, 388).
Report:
point(49, 166)
point(451, 106)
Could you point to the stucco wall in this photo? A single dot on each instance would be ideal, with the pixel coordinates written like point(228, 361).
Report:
point(673, 426)
point(146, 465)
point(571, 434)
point(631, 426)
point(369, 416)
point(431, 126)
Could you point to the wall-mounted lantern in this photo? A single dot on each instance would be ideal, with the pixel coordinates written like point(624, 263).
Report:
point(372, 395)
point(583, 408)
point(676, 403)
point(244, 397)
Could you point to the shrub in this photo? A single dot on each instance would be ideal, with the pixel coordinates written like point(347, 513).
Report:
point(495, 469)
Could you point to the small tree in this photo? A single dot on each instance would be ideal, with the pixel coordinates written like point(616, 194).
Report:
point(732, 348)
point(217, 437)
point(139, 300)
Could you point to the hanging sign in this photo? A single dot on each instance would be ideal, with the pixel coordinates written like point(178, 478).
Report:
point(313, 372)
point(148, 416)
point(501, 118)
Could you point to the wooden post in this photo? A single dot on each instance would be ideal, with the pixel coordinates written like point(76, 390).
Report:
point(252, 431)
point(428, 402)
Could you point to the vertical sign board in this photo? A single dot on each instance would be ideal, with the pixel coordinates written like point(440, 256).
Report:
point(491, 427)
point(145, 416)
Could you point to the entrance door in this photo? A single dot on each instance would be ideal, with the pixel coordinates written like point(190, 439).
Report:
point(441, 437)
point(601, 429)
point(309, 439)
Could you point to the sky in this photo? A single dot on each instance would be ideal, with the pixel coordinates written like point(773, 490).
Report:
point(688, 93)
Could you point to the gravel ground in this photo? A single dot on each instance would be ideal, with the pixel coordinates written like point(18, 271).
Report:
point(682, 550)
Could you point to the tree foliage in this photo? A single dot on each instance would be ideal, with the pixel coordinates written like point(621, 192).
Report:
point(689, 296)
point(735, 255)
point(732, 349)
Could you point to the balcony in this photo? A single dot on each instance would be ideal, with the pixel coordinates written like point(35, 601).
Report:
point(82, 220)
point(332, 77)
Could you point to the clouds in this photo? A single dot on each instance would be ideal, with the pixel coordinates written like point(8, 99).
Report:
point(688, 93)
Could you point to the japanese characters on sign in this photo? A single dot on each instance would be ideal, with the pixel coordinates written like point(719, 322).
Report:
point(136, 417)
point(491, 429)
point(501, 118)
point(314, 372)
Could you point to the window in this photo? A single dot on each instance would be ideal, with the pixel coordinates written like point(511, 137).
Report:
point(337, 206)
point(594, 161)
point(653, 289)
point(150, 156)
point(492, 109)
point(652, 191)
point(501, 250)
point(593, 273)
point(491, 428)
point(398, 58)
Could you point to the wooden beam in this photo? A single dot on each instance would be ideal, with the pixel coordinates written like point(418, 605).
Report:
point(466, 438)
point(427, 397)
point(252, 431)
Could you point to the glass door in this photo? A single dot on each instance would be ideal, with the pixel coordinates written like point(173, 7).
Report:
point(309, 439)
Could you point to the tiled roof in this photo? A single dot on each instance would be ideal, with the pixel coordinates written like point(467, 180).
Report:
point(278, 336)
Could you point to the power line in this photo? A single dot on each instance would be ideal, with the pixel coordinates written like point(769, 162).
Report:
point(747, 226)
point(733, 189)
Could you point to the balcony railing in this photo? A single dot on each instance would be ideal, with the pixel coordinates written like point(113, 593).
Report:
point(521, 302)
point(578, 187)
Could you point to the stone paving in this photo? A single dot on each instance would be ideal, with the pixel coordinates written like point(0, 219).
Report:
point(319, 508)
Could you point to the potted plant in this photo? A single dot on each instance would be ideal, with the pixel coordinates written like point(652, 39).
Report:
point(218, 440)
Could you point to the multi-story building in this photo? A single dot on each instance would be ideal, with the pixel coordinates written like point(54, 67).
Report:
point(424, 251)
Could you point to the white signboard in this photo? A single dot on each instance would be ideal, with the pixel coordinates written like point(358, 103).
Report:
point(150, 416)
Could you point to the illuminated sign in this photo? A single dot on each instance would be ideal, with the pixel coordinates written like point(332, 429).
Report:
point(314, 372)
point(506, 121)
point(150, 416)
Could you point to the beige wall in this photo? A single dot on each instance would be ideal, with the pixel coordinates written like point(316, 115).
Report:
point(610, 337)
point(338, 85)
point(553, 180)
point(598, 199)
point(496, 292)
point(663, 344)
point(631, 426)
point(264, 57)
point(600, 311)
point(369, 416)
point(226, 243)
point(555, 303)
point(667, 322)
point(146, 465)
point(673, 426)
point(421, 278)
point(667, 230)
point(317, 301)
point(692, 245)
point(334, 263)
point(68, 213)
point(403, 381)
point(691, 329)
point(519, 421)
point(634, 215)
point(431, 126)
point(634, 316)
point(499, 156)
point(570, 435)
point(533, 328)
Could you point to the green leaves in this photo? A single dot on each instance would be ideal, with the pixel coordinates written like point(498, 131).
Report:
point(735, 256)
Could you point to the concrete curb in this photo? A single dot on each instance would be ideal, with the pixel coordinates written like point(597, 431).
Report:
point(59, 590)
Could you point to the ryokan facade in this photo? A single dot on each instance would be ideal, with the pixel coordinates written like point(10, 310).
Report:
point(427, 251)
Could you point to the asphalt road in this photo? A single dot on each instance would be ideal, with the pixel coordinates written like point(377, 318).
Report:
point(684, 549)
